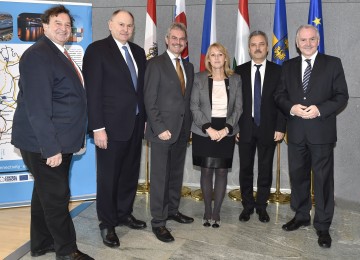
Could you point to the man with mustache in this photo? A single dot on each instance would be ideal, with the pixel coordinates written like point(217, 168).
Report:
point(261, 126)
point(167, 89)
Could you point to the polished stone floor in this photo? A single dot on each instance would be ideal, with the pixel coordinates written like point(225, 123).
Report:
point(233, 240)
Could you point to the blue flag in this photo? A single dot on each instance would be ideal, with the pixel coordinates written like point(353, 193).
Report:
point(280, 42)
point(316, 19)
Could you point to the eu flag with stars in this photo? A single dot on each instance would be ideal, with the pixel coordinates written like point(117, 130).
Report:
point(316, 19)
point(280, 42)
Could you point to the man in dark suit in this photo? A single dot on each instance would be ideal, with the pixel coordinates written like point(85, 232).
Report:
point(311, 92)
point(48, 127)
point(114, 75)
point(168, 83)
point(258, 131)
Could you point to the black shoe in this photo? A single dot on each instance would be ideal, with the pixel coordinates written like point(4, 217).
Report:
point(295, 224)
point(178, 217)
point(163, 234)
point(263, 215)
point(245, 215)
point(109, 237)
point(324, 239)
point(77, 255)
point(133, 223)
point(216, 224)
point(43, 251)
point(206, 223)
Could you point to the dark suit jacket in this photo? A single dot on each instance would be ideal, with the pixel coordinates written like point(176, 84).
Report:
point(272, 118)
point(166, 107)
point(51, 107)
point(327, 90)
point(112, 98)
point(201, 104)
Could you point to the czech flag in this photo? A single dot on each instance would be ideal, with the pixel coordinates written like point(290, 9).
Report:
point(209, 30)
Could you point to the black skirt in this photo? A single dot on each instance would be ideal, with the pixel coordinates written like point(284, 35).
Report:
point(213, 154)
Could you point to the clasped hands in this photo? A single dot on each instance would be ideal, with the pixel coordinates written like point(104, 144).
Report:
point(217, 135)
point(305, 112)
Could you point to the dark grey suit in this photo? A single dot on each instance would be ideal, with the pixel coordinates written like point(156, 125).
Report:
point(167, 109)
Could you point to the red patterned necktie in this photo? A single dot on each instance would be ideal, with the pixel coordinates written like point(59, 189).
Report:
point(75, 68)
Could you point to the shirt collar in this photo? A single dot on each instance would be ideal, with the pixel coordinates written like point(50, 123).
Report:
point(312, 58)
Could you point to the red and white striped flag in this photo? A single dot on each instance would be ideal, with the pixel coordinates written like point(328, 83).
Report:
point(180, 17)
point(150, 45)
point(242, 34)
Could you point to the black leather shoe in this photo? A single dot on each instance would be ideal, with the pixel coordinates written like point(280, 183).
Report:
point(295, 224)
point(43, 251)
point(324, 239)
point(178, 217)
point(163, 234)
point(263, 215)
point(77, 255)
point(109, 237)
point(133, 223)
point(245, 215)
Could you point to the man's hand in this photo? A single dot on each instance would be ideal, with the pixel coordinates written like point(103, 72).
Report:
point(237, 137)
point(166, 135)
point(278, 136)
point(298, 110)
point(101, 139)
point(54, 161)
point(311, 112)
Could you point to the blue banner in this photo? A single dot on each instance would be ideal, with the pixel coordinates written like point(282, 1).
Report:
point(316, 19)
point(20, 27)
point(280, 42)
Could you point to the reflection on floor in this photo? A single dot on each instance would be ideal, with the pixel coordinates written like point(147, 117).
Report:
point(233, 240)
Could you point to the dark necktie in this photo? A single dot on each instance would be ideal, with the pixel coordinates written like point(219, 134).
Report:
point(75, 68)
point(131, 66)
point(180, 74)
point(257, 95)
point(306, 77)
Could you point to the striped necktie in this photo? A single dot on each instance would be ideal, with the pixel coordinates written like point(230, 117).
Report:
point(306, 77)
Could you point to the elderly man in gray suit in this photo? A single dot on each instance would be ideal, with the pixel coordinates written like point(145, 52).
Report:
point(167, 89)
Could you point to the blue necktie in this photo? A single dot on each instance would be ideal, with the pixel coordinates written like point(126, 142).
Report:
point(307, 74)
point(257, 95)
point(131, 67)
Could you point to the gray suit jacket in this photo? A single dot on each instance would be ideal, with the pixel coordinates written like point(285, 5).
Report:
point(200, 104)
point(166, 107)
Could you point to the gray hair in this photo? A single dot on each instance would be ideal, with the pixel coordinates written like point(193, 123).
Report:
point(179, 26)
point(256, 33)
point(306, 26)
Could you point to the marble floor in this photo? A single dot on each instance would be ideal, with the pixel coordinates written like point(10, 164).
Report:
point(233, 240)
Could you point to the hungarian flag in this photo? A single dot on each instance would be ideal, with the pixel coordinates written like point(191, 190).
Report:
point(180, 17)
point(209, 30)
point(280, 42)
point(150, 45)
point(242, 34)
point(316, 19)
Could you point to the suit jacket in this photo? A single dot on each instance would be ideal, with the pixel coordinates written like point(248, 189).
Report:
point(327, 90)
point(201, 105)
point(166, 107)
point(112, 98)
point(272, 118)
point(50, 116)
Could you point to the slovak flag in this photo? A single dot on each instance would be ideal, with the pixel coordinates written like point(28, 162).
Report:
point(180, 17)
point(209, 30)
point(150, 45)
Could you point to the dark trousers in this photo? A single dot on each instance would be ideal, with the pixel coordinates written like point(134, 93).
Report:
point(265, 171)
point(167, 170)
point(51, 222)
point(117, 178)
point(320, 158)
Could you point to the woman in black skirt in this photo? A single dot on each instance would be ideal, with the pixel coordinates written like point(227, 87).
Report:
point(216, 105)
